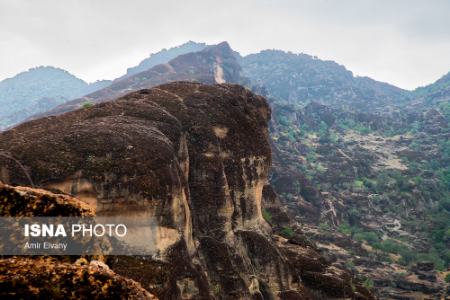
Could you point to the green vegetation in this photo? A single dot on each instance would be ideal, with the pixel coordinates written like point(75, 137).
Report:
point(447, 278)
point(368, 283)
point(345, 229)
point(287, 232)
point(267, 215)
point(87, 104)
point(358, 184)
point(350, 264)
point(444, 107)
point(369, 236)
point(324, 226)
point(392, 190)
point(351, 124)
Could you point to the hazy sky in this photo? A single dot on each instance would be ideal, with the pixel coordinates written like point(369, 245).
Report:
point(403, 42)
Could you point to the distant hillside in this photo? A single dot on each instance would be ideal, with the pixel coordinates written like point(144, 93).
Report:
point(37, 90)
point(301, 78)
point(164, 56)
point(435, 95)
point(214, 64)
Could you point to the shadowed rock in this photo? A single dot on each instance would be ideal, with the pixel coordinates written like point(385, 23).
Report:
point(194, 158)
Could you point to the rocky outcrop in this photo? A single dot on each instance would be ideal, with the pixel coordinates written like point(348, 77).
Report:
point(192, 157)
point(46, 278)
point(60, 277)
point(28, 202)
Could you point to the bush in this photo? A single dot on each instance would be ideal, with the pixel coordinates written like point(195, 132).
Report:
point(371, 184)
point(368, 283)
point(350, 264)
point(433, 257)
point(287, 232)
point(283, 121)
point(87, 104)
point(267, 215)
point(369, 236)
point(445, 203)
point(358, 184)
point(447, 278)
point(324, 226)
point(391, 246)
point(345, 229)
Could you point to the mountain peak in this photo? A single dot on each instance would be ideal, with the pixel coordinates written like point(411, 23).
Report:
point(164, 56)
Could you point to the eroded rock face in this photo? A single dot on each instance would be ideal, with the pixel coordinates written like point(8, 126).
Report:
point(28, 202)
point(195, 159)
point(169, 151)
point(60, 277)
point(46, 278)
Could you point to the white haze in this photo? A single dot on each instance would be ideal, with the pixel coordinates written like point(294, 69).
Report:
point(403, 42)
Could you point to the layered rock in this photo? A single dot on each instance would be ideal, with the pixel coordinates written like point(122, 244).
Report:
point(60, 277)
point(193, 158)
point(45, 278)
point(30, 202)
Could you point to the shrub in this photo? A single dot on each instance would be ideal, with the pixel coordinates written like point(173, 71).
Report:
point(369, 236)
point(358, 184)
point(368, 283)
point(390, 246)
point(345, 229)
point(350, 264)
point(283, 121)
point(87, 104)
point(287, 232)
point(445, 203)
point(433, 257)
point(324, 226)
point(267, 215)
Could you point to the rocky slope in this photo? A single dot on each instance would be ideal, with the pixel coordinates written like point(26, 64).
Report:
point(45, 278)
point(214, 64)
point(164, 56)
point(300, 78)
point(38, 90)
point(196, 159)
point(364, 166)
point(371, 189)
point(434, 95)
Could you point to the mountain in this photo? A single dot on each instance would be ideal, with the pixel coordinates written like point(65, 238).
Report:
point(43, 88)
point(37, 90)
point(364, 166)
point(372, 187)
point(164, 56)
point(214, 64)
point(435, 95)
point(358, 174)
point(301, 78)
point(195, 160)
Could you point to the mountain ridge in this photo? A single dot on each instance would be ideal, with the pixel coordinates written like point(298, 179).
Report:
point(37, 90)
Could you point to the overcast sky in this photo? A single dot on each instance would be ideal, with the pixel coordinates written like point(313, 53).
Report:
point(403, 42)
